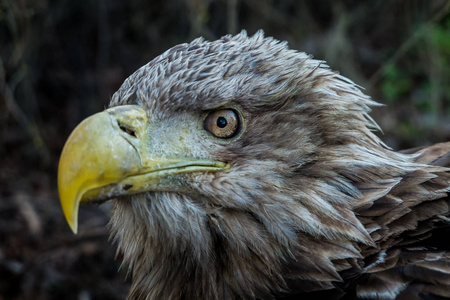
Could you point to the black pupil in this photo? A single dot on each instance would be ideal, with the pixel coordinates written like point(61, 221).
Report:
point(221, 122)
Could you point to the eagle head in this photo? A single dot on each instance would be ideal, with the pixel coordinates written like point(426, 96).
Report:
point(237, 168)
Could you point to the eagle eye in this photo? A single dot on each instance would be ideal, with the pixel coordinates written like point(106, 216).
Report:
point(223, 123)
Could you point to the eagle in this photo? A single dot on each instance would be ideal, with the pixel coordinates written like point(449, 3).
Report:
point(242, 169)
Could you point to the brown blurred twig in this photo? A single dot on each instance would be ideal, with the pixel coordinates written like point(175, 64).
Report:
point(413, 39)
point(28, 212)
point(232, 16)
point(19, 26)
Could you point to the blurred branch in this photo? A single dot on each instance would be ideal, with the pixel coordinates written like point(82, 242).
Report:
point(199, 16)
point(20, 28)
point(232, 22)
point(435, 75)
point(103, 53)
point(267, 11)
point(29, 213)
point(407, 45)
point(31, 128)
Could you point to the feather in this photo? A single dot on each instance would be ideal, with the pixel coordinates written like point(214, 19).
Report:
point(314, 203)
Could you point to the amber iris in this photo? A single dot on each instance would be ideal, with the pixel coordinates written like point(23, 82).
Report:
point(224, 123)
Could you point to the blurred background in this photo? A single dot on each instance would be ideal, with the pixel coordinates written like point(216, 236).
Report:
point(61, 61)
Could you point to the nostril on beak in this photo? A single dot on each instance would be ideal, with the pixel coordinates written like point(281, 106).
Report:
point(127, 130)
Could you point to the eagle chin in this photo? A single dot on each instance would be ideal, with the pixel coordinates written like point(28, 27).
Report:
point(241, 169)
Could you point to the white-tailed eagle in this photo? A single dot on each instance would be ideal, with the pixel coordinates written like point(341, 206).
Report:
point(241, 169)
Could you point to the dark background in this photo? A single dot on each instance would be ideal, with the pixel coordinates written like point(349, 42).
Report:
point(62, 60)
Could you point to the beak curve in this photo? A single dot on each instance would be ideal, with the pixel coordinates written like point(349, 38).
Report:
point(108, 155)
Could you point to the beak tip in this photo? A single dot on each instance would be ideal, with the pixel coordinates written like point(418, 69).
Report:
point(74, 228)
point(72, 221)
point(71, 214)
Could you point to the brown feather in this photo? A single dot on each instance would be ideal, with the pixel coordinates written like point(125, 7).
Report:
point(313, 201)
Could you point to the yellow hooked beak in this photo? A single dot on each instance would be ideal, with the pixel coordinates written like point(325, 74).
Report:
point(108, 155)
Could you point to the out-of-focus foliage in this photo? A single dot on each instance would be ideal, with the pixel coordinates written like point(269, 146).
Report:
point(420, 80)
point(61, 60)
